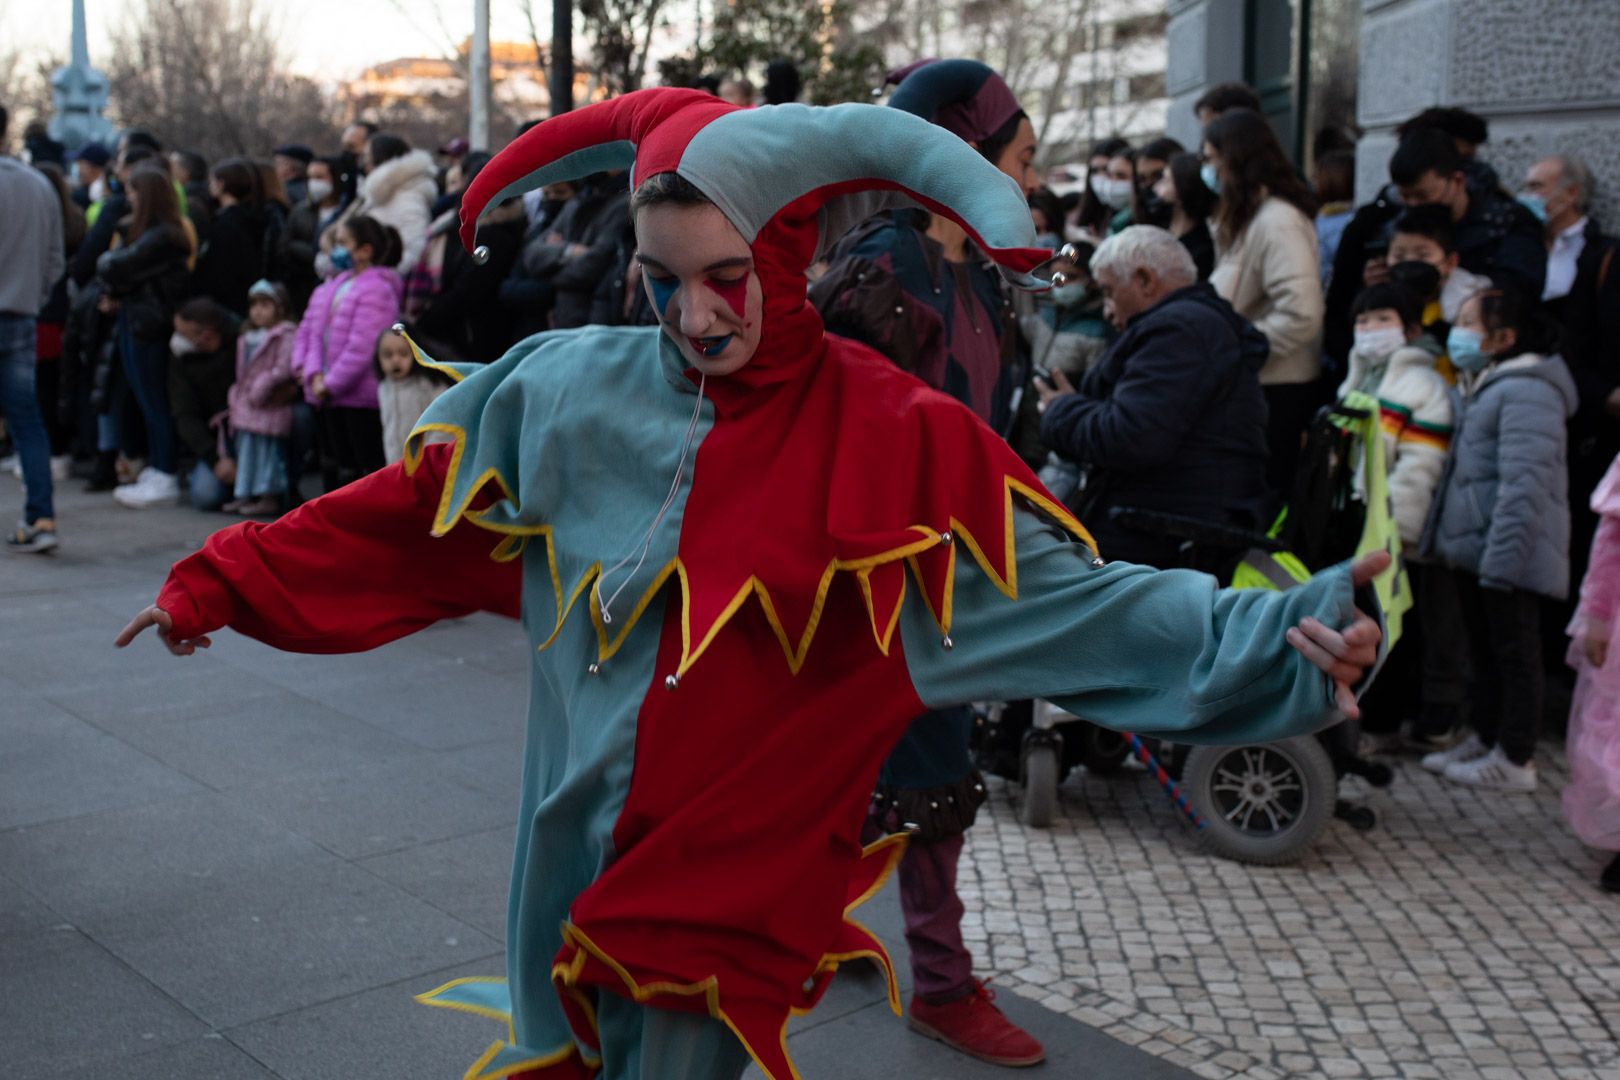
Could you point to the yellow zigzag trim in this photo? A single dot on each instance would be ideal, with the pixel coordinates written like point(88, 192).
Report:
point(515, 538)
point(709, 987)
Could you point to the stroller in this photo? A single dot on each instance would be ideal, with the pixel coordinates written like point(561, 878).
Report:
point(1266, 803)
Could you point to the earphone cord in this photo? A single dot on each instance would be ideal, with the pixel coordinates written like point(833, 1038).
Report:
point(669, 501)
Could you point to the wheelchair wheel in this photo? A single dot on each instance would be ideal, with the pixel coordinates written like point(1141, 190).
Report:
point(1264, 804)
point(1040, 775)
point(1101, 751)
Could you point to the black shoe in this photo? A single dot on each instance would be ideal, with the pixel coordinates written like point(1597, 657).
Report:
point(1610, 879)
point(104, 476)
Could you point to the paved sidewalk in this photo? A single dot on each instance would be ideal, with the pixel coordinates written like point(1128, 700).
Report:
point(243, 864)
point(1465, 937)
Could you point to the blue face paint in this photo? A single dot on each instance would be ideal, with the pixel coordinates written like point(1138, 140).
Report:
point(719, 346)
point(662, 292)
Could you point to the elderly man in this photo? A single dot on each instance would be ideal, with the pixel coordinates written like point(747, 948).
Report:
point(1583, 294)
point(1171, 418)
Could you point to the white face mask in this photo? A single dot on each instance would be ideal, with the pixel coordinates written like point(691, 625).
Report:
point(181, 345)
point(1112, 193)
point(319, 190)
point(1380, 343)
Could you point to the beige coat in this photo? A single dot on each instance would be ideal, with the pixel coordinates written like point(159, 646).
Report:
point(1271, 277)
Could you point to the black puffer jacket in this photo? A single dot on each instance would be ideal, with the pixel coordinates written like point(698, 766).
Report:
point(149, 277)
point(1171, 418)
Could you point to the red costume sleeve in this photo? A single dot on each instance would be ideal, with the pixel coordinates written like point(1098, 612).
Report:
point(346, 572)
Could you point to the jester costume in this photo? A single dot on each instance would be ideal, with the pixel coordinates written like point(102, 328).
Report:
point(721, 663)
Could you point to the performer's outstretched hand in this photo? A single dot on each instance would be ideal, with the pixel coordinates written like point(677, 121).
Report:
point(156, 616)
point(1345, 655)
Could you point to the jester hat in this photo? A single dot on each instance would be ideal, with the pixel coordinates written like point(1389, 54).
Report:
point(792, 179)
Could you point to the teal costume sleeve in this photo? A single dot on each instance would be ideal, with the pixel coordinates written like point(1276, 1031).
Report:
point(1161, 652)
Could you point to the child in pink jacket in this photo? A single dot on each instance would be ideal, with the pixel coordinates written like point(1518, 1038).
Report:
point(1592, 799)
point(333, 351)
point(260, 402)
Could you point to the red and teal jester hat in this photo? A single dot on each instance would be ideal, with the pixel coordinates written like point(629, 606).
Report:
point(826, 481)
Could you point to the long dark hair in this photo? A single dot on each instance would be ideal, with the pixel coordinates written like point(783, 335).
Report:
point(1254, 167)
point(239, 179)
point(1196, 200)
point(156, 205)
point(72, 217)
point(367, 231)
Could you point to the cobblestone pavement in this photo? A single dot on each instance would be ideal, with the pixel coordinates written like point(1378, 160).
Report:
point(1464, 937)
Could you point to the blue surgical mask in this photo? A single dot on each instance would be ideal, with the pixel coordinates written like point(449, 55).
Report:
point(1068, 295)
point(342, 258)
point(1462, 348)
point(1211, 177)
point(1536, 204)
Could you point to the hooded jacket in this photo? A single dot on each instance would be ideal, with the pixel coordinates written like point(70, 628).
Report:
point(1415, 415)
point(1503, 509)
point(260, 376)
point(1172, 418)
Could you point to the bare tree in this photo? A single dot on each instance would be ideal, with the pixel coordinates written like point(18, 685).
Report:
point(620, 34)
point(211, 75)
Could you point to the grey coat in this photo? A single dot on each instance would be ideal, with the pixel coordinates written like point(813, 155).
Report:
point(1502, 512)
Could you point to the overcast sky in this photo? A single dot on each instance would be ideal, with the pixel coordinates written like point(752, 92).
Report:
point(326, 38)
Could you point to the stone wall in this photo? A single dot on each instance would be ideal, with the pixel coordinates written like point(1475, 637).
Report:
point(1545, 73)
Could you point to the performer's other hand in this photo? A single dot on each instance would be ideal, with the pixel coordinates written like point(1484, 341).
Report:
point(156, 616)
point(1345, 655)
point(1053, 384)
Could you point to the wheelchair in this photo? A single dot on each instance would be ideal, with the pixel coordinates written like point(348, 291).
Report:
point(1265, 803)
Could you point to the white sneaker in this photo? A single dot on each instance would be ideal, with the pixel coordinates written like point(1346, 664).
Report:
point(12, 463)
point(1467, 750)
point(61, 466)
point(1493, 771)
point(151, 488)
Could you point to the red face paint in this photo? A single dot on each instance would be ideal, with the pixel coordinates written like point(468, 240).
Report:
point(734, 293)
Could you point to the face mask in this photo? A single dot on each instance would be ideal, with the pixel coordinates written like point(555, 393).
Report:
point(1536, 204)
point(1380, 343)
point(181, 345)
point(1211, 178)
point(320, 190)
point(1068, 295)
point(1462, 348)
point(1155, 211)
point(1417, 277)
point(1114, 194)
point(342, 258)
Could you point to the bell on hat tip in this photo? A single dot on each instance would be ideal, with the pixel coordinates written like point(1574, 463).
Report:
point(1059, 280)
point(1070, 252)
point(399, 328)
point(480, 254)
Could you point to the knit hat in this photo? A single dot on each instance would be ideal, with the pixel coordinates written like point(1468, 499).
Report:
point(94, 153)
point(962, 96)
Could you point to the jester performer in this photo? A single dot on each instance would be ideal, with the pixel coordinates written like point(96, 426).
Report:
point(747, 555)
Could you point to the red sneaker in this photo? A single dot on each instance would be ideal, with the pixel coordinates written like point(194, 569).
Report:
point(976, 1027)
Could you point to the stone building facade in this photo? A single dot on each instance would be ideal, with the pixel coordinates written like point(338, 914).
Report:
point(1545, 73)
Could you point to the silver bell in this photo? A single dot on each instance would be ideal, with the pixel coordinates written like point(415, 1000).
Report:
point(1098, 562)
point(946, 538)
point(480, 254)
point(398, 328)
point(671, 682)
point(1059, 280)
point(594, 668)
point(1070, 252)
point(947, 643)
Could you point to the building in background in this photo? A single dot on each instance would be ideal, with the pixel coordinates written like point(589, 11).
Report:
point(1543, 72)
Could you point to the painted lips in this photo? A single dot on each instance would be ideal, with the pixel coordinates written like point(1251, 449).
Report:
point(710, 346)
